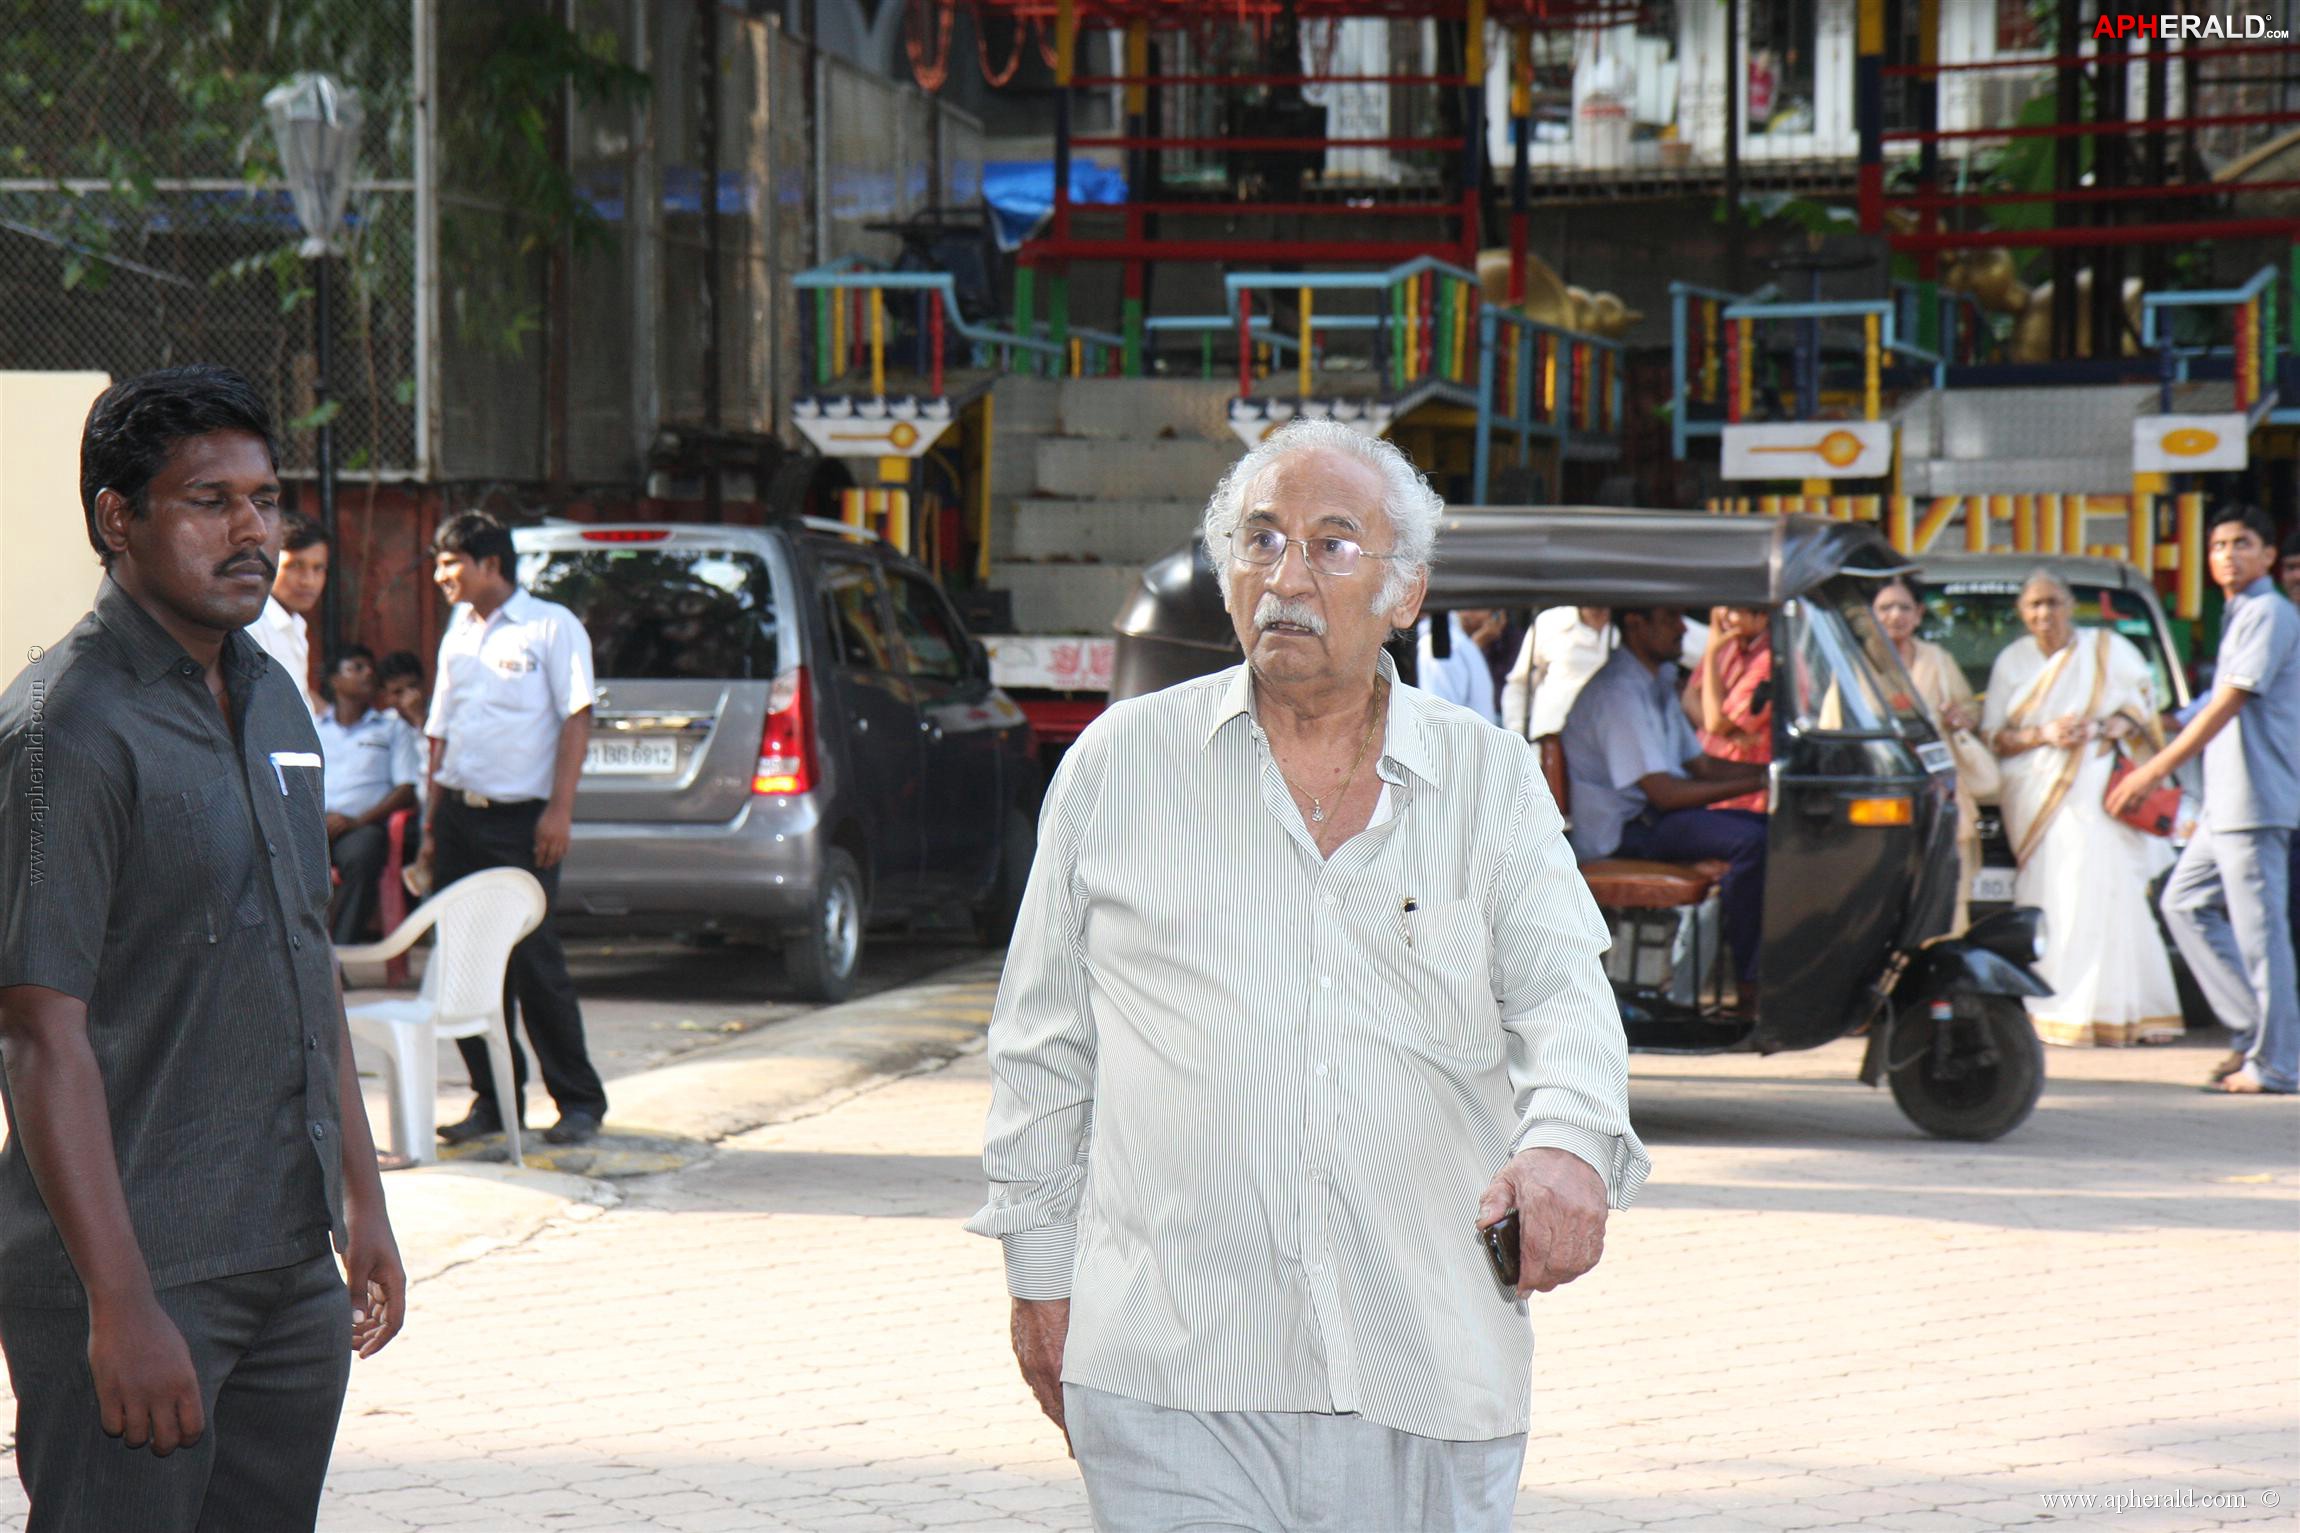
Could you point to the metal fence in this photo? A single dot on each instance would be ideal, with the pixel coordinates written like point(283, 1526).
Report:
point(140, 226)
point(137, 228)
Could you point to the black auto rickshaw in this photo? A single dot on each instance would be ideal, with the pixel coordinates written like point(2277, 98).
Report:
point(1862, 861)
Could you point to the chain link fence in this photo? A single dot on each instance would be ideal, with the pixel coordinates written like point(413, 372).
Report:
point(141, 224)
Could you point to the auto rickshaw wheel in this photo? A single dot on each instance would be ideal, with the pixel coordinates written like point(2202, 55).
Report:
point(1978, 1076)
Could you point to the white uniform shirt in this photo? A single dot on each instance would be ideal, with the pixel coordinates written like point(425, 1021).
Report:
point(1462, 676)
point(1245, 1097)
point(285, 637)
point(504, 687)
point(1557, 660)
point(1560, 654)
point(363, 761)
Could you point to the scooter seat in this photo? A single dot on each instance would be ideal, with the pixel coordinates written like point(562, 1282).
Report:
point(1630, 883)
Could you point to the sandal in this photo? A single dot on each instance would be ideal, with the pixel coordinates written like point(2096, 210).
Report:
point(2228, 1064)
point(386, 1160)
point(2243, 1083)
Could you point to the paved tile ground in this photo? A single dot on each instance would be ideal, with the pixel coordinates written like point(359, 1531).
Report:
point(1813, 1319)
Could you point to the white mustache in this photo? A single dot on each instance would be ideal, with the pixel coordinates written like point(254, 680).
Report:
point(1274, 608)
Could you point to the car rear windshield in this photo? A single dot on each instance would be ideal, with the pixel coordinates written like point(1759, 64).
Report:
point(698, 614)
point(1975, 619)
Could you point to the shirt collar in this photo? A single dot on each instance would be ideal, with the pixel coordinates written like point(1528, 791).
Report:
point(152, 650)
point(1403, 740)
point(2262, 586)
point(514, 609)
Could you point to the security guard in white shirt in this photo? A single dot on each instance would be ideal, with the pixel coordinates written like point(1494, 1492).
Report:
point(510, 717)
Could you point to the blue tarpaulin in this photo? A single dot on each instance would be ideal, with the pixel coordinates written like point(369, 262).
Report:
point(1021, 193)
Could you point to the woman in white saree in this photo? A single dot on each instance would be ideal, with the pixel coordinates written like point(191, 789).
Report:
point(2058, 700)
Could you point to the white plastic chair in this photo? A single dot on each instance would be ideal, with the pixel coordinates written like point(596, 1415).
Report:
point(480, 919)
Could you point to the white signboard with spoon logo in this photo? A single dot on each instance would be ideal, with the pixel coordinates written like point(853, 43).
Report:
point(2172, 444)
point(1809, 450)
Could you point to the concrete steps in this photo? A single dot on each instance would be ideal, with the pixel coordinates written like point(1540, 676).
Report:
point(1127, 468)
point(1131, 532)
point(1093, 478)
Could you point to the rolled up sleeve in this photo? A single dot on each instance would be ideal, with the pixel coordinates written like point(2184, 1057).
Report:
point(1042, 1053)
point(1568, 1057)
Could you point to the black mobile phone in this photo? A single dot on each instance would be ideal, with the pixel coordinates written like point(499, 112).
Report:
point(1501, 1245)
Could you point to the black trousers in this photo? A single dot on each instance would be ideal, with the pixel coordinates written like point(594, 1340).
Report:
point(273, 1354)
point(537, 989)
point(358, 855)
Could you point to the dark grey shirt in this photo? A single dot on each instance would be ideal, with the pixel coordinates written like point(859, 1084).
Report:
point(176, 880)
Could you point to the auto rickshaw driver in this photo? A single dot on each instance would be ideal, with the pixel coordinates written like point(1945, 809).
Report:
point(1642, 787)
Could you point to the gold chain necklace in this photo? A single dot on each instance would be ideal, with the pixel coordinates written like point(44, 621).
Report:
point(1317, 805)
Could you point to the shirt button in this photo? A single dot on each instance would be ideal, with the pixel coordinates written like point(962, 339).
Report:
point(319, 1131)
point(187, 669)
point(1325, 982)
point(1321, 1070)
point(295, 942)
point(271, 848)
point(311, 1043)
point(1330, 900)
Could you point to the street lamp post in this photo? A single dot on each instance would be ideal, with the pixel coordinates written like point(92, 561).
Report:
point(315, 120)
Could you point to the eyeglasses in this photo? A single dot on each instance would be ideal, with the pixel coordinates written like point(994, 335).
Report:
point(1265, 546)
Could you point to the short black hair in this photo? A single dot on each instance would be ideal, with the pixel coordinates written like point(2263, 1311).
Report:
point(400, 662)
point(345, 652)
point(299, 532)
point(136, 423)
point(2253, 519)
point(1621, 615)
point(2292, 545)
point(476, 535)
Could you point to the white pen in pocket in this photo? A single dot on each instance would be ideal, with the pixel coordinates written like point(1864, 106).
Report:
point(282, 760)
point(1406, 909)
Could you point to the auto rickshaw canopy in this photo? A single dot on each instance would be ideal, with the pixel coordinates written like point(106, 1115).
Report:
point(1556, 556)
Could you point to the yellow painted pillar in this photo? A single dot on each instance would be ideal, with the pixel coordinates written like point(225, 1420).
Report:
point(1936, 518)
point(1900, 524)
point(2024, 525)
point(1977, 513)
point(2140, 518)
point(1871, 351)
point(1302, 306)
point(877, 343)
point(2190, 599)
point(2073, 510)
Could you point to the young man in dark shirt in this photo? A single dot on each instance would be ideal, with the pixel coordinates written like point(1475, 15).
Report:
point(187, 1134)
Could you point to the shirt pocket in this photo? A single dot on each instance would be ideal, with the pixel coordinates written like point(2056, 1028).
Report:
point(1444, 974)
point(306, 809)
point(198, 848)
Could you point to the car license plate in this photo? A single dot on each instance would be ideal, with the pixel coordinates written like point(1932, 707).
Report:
point(1993, 886)
point(631, 758)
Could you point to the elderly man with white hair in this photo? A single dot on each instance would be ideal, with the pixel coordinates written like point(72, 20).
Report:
point(1305, 994)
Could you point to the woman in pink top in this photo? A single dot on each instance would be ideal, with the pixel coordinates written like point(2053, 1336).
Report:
point(1730, 695)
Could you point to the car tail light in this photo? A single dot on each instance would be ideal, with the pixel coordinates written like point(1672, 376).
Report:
point(787, 744)
point(628, 535)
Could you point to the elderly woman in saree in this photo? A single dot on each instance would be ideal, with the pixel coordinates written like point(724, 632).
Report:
point(2058, 701)
point(1948, 701)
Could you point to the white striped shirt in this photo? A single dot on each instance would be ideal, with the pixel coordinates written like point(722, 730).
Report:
point(1239, 1119)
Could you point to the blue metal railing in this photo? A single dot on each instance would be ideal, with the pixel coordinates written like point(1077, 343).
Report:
point(2253, 350)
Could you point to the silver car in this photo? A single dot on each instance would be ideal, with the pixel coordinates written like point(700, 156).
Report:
point(793, 736)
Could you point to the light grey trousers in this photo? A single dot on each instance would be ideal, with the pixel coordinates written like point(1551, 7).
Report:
point(2225, 907)
point(1152, 1469)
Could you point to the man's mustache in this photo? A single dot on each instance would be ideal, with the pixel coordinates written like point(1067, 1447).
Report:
point(238, 562)
point(1293, 610)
